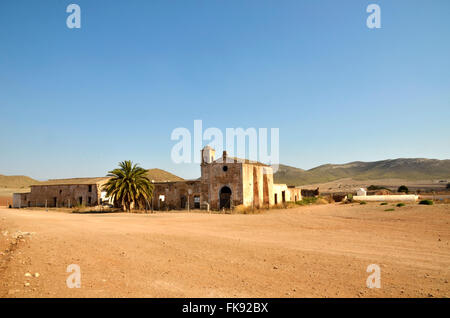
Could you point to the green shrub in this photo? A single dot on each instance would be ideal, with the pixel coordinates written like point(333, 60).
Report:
point(349, 198)
point(399, 205)
point(375, 187)
point(307, 200)
point(363, 202)
point(384, 203)
point(389, 210)
point(403, 188)
point(426, 202)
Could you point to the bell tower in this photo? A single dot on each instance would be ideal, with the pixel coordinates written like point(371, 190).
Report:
point(208, 155)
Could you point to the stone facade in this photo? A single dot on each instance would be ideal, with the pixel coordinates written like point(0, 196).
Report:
point(62, 193)
point(224, 183)
point(177, 195)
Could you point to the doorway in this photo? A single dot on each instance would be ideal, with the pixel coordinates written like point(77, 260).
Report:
point(225, 198)
point(183, 202)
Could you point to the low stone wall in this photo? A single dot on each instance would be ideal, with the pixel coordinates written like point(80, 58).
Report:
point(387, 198)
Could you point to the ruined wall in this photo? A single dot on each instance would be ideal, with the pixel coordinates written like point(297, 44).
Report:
point(257, 183)
point(291, 194)
point(67, 195)
point(295, 194)
point(268, 186)
point(247, 185)
point(281, 193)
point(19, 200)
point(177, 195)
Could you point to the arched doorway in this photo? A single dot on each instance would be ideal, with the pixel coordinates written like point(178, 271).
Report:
point(225, 198)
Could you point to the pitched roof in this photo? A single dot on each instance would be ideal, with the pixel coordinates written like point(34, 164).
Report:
point(159, 175)
point(72, 181)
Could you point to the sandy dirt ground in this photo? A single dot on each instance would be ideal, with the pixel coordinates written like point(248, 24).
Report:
point(311, 251)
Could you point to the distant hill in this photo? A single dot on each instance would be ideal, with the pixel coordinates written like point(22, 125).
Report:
point(408, 169)
point(159, 175)
point(16, 181)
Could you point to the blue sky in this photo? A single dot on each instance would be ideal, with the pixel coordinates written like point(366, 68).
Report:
point(75, 102)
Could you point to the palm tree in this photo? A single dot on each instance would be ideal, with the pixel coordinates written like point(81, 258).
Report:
point(129, 186)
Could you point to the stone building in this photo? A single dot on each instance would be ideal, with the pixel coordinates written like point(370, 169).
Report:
point(63, 193)
point(224, 183)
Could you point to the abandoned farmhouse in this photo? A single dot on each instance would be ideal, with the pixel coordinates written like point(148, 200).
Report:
point(225, 182)
point(63, 193)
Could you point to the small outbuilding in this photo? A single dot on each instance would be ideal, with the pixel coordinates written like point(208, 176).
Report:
point(361, 192)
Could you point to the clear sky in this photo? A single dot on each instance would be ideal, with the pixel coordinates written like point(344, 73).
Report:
point(75, 102)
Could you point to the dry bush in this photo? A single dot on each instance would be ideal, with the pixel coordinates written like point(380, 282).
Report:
point(96, 209)
point(315, 200)
point(329, 199)
point(241, 209)
point(321, 200)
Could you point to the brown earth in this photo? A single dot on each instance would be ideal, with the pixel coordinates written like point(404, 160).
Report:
point(310, 251)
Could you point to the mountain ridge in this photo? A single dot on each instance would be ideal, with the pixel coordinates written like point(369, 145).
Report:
point(401, 168)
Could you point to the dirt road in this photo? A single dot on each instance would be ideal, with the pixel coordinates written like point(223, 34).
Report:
point(312, 251)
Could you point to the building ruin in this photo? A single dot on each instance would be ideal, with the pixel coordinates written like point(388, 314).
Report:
point(60, 193)
point(225, 182)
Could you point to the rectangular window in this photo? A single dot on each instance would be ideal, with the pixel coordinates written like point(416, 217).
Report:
point(90, 188)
